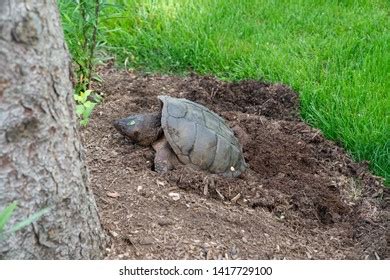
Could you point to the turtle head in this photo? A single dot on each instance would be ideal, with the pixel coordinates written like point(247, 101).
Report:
point(131, 127)
point(140, 129)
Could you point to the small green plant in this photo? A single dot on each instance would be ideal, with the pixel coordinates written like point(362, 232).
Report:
point(81, 27)
point(6, 214)
point(85, 106)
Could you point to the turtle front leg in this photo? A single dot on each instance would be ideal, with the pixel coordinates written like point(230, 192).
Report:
point(165, 159)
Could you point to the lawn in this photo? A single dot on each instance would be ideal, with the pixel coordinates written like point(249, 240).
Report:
point(335, 54)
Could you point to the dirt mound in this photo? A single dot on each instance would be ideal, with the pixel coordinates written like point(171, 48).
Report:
point(302, 197)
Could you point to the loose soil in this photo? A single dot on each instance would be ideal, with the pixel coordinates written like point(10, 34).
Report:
point(302, 197)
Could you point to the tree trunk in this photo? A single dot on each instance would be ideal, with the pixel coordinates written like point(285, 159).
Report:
point(41, 158)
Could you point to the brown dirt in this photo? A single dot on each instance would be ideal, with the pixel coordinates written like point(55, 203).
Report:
point(302, 198)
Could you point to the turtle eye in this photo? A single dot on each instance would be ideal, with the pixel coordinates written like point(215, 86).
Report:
point(131, 123)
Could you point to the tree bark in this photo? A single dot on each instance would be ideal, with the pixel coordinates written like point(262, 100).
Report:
point(41, 158)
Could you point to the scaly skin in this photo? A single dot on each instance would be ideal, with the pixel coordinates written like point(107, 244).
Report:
point(165, 159)
point(145, 130)
point(142, 129)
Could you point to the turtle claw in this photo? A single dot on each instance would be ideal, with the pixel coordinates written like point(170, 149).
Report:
point(162, 166)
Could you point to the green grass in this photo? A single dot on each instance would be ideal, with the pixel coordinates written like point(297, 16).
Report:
point(336, 54)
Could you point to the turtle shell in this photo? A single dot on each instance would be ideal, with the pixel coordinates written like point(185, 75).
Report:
point(200, 137)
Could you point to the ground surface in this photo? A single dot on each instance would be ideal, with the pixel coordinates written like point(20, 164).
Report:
point(302, 198)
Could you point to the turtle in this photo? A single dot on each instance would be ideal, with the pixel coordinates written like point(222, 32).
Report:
point(185, 132)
